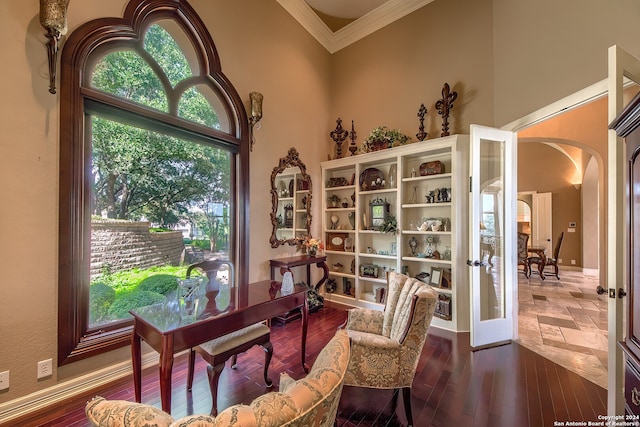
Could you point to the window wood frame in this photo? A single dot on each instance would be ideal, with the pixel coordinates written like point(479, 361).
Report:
point(75, 340)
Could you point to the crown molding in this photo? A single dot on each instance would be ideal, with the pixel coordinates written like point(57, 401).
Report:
point(358, 29)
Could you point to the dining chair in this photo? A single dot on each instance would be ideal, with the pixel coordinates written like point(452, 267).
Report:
point(550, 261)
point(523, 240)
point(220, 273)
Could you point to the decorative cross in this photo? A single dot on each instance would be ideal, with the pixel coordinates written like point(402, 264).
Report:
point(352, 145)
point(444, 105)
point(339, 135)
point(421, 135)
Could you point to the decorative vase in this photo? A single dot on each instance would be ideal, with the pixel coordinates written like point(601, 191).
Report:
point(313, 251)
point(392, 175)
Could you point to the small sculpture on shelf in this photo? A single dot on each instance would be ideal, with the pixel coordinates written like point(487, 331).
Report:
point(421, 135)
point(413, 245)
point(338, 135)
point(331, 286)
point(444, 106)
point(334, 222)
point(431, 243)
point(352, 136)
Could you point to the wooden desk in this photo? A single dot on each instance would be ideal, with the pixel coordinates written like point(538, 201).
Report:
point(286, 263)
point(162, 328)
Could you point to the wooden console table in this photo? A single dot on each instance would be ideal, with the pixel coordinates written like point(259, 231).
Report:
point(285, 264)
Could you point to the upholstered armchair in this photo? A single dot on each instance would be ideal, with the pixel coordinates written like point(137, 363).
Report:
point(309, 401)
point(386, 345)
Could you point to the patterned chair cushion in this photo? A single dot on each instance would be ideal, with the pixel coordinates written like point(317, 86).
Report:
point(310, 401)
point(120, 413)
point(390, 359)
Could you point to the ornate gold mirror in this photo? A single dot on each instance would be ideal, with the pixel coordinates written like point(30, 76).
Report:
point(291, 201)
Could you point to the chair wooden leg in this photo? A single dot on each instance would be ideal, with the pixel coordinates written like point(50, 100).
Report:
point(192, 361)
point(406, 396)
point(541, 270)
point(214, 376)
point(268, 354)
point(234, 361)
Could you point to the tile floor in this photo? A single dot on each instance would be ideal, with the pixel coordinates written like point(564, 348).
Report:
point(565, 321)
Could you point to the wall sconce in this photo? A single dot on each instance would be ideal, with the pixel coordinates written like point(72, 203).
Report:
point(256, 114)
point(53, 18)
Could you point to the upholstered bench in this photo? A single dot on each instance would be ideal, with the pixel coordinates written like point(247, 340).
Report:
point(310, 401)
point(216, 352)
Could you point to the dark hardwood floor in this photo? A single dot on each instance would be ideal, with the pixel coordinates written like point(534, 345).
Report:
point(502, 386)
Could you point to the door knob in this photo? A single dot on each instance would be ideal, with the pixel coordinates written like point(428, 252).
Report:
point(475, 263)
point(600, 290)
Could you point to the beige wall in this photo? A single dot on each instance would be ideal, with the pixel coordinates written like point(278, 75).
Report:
point(383, 79)
point(548, 49)
point(505, 58)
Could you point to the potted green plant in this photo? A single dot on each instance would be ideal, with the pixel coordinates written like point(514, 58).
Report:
point(390, 224)
point(381, 138)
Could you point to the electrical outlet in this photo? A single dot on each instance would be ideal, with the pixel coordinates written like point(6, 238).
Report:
point(573, 262)
point(559, 260)
point(4, 380)
point(45, 368)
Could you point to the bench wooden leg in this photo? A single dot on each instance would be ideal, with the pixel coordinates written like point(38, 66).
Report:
point(214, 376)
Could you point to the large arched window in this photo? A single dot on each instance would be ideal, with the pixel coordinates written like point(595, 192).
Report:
point(153, 156)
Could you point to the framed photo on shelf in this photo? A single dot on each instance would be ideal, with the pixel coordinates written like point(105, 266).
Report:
point(369, 270)
point(436, 277)
point(335, 241)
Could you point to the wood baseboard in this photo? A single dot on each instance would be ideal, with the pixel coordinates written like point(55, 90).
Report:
point(41, 401)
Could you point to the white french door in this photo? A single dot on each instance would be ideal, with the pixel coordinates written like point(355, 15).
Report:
point(492, 235)
point(623, 70)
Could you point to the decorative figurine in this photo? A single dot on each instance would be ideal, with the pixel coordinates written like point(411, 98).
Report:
point(334, 222)
point(421, 135)
point(414, 196)
point(339, 135)
point(352, 136)
point(444, 105)
point(331, 285)
point(413, 244)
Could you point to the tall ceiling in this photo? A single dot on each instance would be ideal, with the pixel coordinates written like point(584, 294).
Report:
point(338, 23)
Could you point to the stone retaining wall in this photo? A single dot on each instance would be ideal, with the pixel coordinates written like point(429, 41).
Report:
point(124, 245)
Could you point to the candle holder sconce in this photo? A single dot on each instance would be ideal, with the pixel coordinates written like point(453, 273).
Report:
point(256, 115)
point(53, 18)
